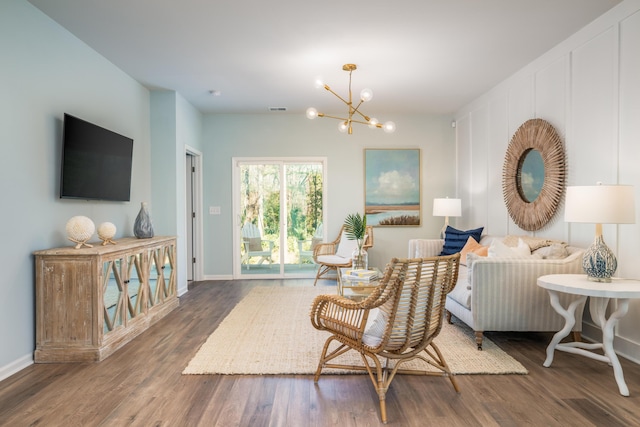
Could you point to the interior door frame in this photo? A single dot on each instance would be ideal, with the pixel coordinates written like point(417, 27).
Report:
point(235, 191)
point(194, 237)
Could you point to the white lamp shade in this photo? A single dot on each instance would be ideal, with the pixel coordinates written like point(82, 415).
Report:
point(600, 204)
point(447, 207)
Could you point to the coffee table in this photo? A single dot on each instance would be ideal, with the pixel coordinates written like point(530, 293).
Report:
point(356, 289)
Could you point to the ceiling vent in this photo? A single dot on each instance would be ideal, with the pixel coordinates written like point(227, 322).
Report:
point(277, 108)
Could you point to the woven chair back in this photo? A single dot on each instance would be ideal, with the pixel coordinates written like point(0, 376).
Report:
point(416, 308)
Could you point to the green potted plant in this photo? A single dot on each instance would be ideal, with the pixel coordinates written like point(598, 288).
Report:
point(355, 227)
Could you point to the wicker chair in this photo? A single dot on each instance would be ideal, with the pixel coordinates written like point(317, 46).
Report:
point(333, 255)
point(410, 302)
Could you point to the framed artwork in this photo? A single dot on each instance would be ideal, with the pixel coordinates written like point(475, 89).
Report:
point(392, 187)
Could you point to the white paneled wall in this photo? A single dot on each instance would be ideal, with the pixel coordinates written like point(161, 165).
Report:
point(628, 168)
point(588, 87)
point(551, 103)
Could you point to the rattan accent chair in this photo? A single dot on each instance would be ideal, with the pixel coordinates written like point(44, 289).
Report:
point(410, 305)
point(330, 257)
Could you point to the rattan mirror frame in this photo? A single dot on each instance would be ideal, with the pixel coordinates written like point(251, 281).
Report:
point(534, 134)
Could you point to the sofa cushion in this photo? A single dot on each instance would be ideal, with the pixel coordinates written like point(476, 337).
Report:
point(333, 260)
point(472, 247)
point(454, 239)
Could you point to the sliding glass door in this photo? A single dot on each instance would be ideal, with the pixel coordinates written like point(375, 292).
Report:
point(279, 207)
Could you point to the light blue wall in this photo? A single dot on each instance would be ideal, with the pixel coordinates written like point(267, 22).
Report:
point(287, 135)
point(46, 71)
point(175, 125)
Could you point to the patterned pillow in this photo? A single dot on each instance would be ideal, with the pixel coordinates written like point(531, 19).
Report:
point(553, 251)
point(454, 240)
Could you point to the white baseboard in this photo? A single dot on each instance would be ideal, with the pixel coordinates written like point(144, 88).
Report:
point(15, 366)
point(183, 290)
point(218, 277)
point(622, 346)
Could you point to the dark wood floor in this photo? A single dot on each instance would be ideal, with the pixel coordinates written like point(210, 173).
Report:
point(142, 385)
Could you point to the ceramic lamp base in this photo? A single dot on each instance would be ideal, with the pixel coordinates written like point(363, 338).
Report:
point(599, 262)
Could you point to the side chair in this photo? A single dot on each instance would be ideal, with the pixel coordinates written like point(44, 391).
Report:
point(394, 325)
point(254, 245)
point(337, 254)
point(304, 253)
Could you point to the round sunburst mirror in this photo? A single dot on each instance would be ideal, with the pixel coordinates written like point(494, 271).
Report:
point(533, 174)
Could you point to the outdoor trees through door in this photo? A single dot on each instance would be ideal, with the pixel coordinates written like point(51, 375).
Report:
point(283, 200)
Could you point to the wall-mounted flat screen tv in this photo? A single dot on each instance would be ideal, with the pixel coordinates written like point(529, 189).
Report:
point(96, 162)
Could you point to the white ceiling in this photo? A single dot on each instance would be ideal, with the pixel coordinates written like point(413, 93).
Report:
point(418, 56)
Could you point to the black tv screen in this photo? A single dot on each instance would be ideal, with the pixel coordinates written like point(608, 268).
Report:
point(96, 162)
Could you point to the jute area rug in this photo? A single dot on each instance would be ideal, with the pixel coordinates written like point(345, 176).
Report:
point(269, 332)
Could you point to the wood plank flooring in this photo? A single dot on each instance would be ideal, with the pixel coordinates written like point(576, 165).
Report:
point(141, 385)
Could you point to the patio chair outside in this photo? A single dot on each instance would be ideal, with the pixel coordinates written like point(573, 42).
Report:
point(255, 245)
point(306, 247)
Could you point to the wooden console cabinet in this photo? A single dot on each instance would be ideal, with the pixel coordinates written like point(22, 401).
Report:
point(92, 301)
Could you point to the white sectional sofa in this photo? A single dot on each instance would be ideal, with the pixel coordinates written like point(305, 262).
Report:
point(501, 294)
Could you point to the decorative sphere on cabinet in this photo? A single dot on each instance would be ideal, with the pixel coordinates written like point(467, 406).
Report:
point(79, 230)
point(106, 231)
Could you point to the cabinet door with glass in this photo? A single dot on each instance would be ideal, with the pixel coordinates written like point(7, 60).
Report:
point(122, 292)
point(162, 275)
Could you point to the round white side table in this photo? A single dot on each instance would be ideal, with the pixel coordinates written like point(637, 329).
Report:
point(577, 284)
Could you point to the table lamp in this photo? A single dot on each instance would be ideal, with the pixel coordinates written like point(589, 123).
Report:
point(446, 207)
point(600, 204)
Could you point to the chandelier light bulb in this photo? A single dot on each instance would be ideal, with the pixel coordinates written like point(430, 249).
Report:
point(318, 83)
point(389, 127)
point(343, 127)
point(312, 113)
point(373, 123)
point(366, 95)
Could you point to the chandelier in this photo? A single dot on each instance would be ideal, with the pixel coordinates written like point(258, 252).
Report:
point(354, 115)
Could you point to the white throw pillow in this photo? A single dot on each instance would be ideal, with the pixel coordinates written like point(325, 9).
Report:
point(346, 246)
point(522, 248)
point(500, 250)
point(376, 323)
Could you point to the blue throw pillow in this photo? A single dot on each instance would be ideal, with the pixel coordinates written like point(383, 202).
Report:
point(454, 240)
